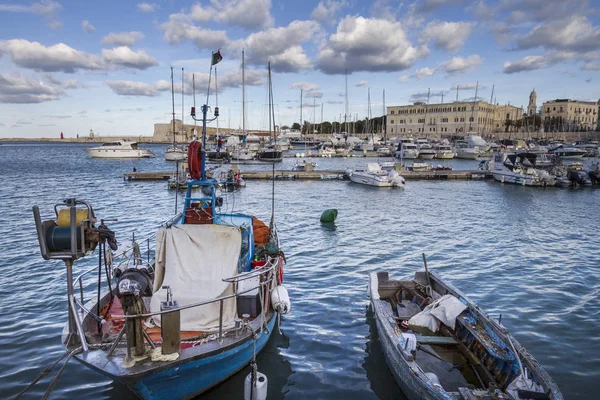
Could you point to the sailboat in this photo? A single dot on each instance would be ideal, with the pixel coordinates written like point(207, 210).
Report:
point(176, 152)
point(243, 151)
point(182, 310)
point(303, 165)
point(271, 152)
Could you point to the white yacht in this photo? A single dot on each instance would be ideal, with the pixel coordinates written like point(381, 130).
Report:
point(426, 152)
point(443, 151)
point(283, 143)
point(568, 152)
point(304, 165)
point(407, 150)
point(119, 149)
point(464, 151)
point(519, 168)
point(373, 175)
point(242, 152)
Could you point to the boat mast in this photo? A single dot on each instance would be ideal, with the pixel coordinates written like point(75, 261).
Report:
point(346, 103)
point(426, 106)
point(243, 96)
point(473, 108)
point(173, 103)
point(194, 96)
point(384, 119)
point(217, 99)
point(488, 111)
point(301, 120)
point(321, 128)
point(182, 126)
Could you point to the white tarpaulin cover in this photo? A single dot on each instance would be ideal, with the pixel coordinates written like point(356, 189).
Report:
point(193, 260)
point(444, 310)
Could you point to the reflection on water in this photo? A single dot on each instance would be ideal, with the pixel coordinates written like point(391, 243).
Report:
point(531, 254)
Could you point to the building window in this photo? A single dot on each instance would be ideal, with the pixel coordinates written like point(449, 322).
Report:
point(462, 119)
point(392, 130)
point(548, 109)
point(456, 119)
point(444, 119)
point(392, 121)
point(470, 119)
point(421, 121)
point(554, 109)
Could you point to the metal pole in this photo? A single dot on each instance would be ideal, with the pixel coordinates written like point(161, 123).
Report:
point(426, 270)
point(173, 103)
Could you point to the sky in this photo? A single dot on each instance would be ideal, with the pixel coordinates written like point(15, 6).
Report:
point(70, 66)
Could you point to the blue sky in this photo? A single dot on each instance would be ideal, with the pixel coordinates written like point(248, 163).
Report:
point(72, 66)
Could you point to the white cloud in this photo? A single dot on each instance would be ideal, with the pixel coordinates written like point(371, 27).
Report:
point(248, 14)
point(59, 57)
point(281, 46)
point(368, 44)
point(591, 66)
point(89, 28)
point(306, 86)
point(450, 36)
point(45, 8)
point(431, 5)
point(67, 84)
point(147, 7)
point(131, 88)
point(326, 10)
point(528, 63)
point(423, 73)
point(361, 84)
point(575, 33)
point(314, 95)
point(180, 28)
point(460, 64)
point(122, 38)
point(20, 89)
point(124, 56)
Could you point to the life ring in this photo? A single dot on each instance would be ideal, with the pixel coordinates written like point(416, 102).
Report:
point(237, 178)
point(195, 159)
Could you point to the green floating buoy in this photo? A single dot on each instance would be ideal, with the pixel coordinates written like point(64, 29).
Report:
point(329, 215)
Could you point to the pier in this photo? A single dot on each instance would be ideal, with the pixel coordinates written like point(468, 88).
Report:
point(322, 175)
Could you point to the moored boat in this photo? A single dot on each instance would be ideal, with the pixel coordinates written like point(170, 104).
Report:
point(119, 149)
point(519, 168)
point(180, 311)
point(374, 175)
point(440, 345)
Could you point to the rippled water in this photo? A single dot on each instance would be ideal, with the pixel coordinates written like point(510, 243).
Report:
point(531, 254)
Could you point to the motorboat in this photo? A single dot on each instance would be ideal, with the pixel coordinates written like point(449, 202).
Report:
point(304, 165)
point(119, 149)
point(420, 166)
point(243, 153)
point(384, 151)
point(443, 151)
point(438, 344)
point(374, 175)
point(464, 151)
point(270, 154)
point(519, 168)
point(283, 143)
point(407, 150)
point(426, 151)
point(178, 312)
point(568, 152)
point(476, 141)
point(227, 179)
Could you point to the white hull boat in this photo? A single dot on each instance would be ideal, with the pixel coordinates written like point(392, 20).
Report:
point(175, 153)
point(373, 175)
point(520, 169)
point(119, 149)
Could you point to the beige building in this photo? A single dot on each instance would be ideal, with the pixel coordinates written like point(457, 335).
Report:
point(450, 119)
point(564, 115)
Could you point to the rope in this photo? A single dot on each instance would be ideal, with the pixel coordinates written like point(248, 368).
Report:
point(46, 371)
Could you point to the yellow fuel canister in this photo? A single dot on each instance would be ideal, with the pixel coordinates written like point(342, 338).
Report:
point(64, 216)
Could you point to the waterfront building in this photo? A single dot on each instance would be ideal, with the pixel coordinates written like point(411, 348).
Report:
point(565, 115)
point(451, 119)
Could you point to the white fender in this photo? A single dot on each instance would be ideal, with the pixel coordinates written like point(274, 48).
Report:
point(280, 299)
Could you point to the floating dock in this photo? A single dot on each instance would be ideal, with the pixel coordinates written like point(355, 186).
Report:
point(322, 175)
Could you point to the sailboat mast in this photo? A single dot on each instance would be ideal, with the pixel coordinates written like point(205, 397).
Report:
point(182, 113)
point(301, 120)
point(488, 111)
point(243, 96)
point(217, 99)
point(321, 128)
point(473, 108)
point(194, 96)
point(346, 111)
point(426, 106)
point(384, 118)
point(173, 103)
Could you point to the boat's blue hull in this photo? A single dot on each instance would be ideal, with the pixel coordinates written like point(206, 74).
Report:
point(190, 379)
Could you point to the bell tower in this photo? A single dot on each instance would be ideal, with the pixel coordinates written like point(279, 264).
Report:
point(532, 107)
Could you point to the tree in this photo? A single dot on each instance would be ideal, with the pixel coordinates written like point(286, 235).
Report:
point(285, 127)
point(296, 126)
point(327, 127)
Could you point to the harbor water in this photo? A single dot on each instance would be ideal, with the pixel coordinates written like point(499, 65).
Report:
point(530, 254)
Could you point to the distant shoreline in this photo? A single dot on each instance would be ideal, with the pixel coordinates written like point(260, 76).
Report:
point(143, 139)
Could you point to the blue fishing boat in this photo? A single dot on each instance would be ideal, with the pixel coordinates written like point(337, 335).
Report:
point(181, 311)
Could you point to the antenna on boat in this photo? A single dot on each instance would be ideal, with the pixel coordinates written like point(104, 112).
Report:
point(174, 141)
